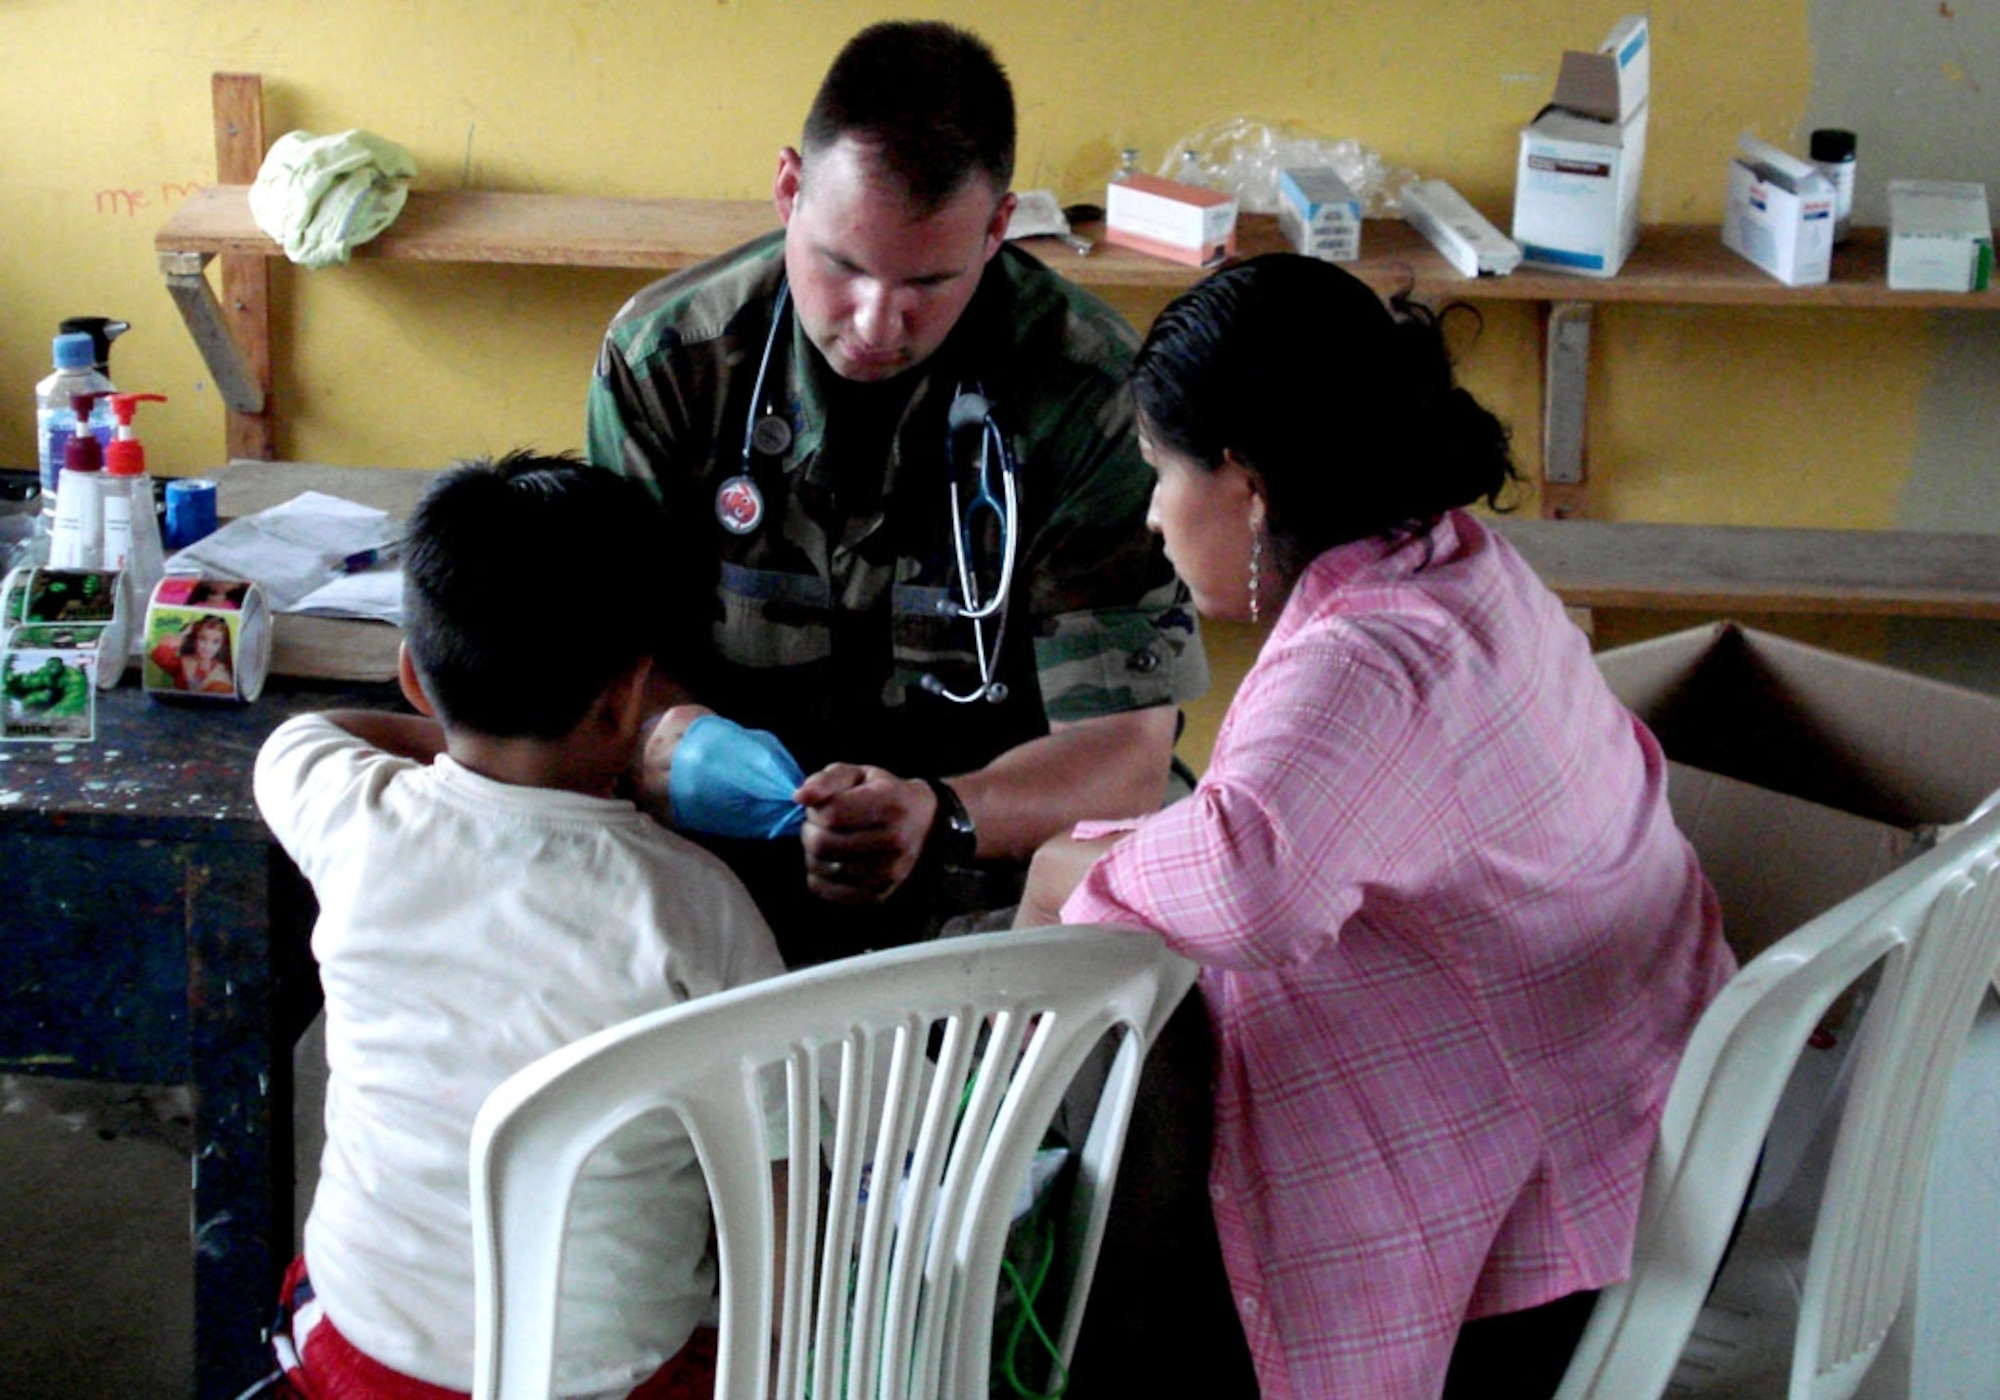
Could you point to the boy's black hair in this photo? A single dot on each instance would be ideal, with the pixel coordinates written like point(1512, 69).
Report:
point(929, 97)
point(529, 585)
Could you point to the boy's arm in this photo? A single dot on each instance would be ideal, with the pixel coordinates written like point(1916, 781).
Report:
point(406, 736)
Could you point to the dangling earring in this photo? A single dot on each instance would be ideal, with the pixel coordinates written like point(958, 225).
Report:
point(1256, 574)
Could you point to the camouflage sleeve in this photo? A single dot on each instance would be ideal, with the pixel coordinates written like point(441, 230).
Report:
point(1110, 660)
point(620, 433)
point(1114, 628)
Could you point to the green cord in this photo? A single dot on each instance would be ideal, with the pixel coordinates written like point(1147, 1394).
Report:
point(1028, 1292)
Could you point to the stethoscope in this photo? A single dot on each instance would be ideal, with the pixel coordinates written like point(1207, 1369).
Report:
point(739, 506)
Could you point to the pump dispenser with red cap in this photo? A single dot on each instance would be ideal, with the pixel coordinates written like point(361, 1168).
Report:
point(131, 525)
point(77, 540)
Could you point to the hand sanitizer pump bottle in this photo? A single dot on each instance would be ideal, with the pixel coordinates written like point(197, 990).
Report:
point(131, 525)
point(76, 541)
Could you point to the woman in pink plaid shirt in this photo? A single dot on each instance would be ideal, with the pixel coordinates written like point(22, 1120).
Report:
point(1453, 943)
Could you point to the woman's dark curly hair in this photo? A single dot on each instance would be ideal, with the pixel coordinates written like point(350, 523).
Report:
point(1344, 406)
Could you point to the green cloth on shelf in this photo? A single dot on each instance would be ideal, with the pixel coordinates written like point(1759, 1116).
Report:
point(322, 196)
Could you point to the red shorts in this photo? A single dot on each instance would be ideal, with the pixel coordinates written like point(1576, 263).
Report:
point(320, 1364)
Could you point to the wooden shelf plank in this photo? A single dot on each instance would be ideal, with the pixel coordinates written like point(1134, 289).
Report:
point(1674, 264)
point(1758, 569)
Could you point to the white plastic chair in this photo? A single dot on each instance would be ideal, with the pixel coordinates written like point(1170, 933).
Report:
point(1934, 925)
point(951, 1056)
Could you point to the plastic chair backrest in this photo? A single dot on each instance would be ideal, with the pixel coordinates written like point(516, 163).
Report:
point(1934, 924)
point(950, 1059)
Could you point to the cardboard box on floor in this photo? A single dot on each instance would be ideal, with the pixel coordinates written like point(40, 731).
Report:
point(1802, 776)
point(1788, 758)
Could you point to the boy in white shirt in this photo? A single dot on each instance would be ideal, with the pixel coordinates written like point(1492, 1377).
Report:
point(485, 897)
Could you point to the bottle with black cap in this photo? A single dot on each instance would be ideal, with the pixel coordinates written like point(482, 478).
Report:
point(1832, 150)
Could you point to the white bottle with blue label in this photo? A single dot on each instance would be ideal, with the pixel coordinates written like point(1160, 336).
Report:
point(75, 373)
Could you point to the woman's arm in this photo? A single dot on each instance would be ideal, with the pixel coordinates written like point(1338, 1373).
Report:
point(1058, 867)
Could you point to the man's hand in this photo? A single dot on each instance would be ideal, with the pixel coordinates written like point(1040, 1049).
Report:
point(864, 832)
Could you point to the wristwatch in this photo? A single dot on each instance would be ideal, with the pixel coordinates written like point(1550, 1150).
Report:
point(952, 840)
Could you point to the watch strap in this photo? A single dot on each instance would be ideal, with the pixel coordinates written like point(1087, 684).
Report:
point(952, 841)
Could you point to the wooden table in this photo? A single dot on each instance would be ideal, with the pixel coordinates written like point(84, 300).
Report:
point(152, 933)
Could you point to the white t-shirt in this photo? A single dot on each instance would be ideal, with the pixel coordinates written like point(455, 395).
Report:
point(466, 928)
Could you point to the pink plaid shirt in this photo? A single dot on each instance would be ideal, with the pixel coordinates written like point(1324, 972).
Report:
point(1453, 946)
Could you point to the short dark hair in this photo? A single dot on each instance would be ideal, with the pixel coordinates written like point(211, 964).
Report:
point(930, 98)
point(1345, 407)
point(529, 585)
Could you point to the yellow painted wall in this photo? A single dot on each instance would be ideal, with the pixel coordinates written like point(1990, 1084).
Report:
point(1696, 414)
point(409, 366)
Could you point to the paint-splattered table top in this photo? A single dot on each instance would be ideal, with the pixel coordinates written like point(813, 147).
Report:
point(173, 771)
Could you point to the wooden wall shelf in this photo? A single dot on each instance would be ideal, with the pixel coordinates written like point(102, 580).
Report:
point(1674, 264)
point(1608, 565)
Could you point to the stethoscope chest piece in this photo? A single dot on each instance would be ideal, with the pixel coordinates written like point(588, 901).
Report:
point(771, 435)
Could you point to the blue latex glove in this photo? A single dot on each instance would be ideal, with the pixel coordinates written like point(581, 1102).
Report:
point(730, 781)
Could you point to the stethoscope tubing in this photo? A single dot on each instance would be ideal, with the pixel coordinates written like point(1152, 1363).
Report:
point(1006, 509)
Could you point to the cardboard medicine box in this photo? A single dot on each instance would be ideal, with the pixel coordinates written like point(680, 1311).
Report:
point(1576, 187)
point(1801, 776)
point(1184, 223)
point(1940, 236)
point(1319, 214)
point(1779, 213)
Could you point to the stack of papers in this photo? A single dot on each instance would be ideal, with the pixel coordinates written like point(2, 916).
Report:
point(314, 554)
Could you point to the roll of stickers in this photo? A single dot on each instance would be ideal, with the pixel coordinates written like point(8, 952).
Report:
point(207, 639)
point(63, 637)
point(73, 609)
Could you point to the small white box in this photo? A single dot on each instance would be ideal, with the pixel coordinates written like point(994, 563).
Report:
point(1185, 223)
point(1940, 236)
point(1319, 214)
point(1460, 233)
point(1779, 213)
point(1576, 188)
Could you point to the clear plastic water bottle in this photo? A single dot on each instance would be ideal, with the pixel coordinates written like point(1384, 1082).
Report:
point(75, 373)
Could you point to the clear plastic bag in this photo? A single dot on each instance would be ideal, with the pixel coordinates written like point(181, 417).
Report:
point(1243, 155)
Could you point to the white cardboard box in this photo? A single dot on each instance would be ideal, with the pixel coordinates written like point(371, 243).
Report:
point(1779, 214)
point(1319, 214)
point(1461, 234)
point(1940, 236)
point(1576, 188)
point(1184, 223)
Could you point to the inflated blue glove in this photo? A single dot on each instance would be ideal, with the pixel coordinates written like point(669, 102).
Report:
point(730, 781)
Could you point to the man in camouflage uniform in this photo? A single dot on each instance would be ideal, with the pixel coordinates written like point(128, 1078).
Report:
point(804, 405)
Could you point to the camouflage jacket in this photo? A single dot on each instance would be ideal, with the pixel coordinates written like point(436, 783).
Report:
point(820, 620)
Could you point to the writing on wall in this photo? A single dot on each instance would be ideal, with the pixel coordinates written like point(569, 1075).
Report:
point(130, 202)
